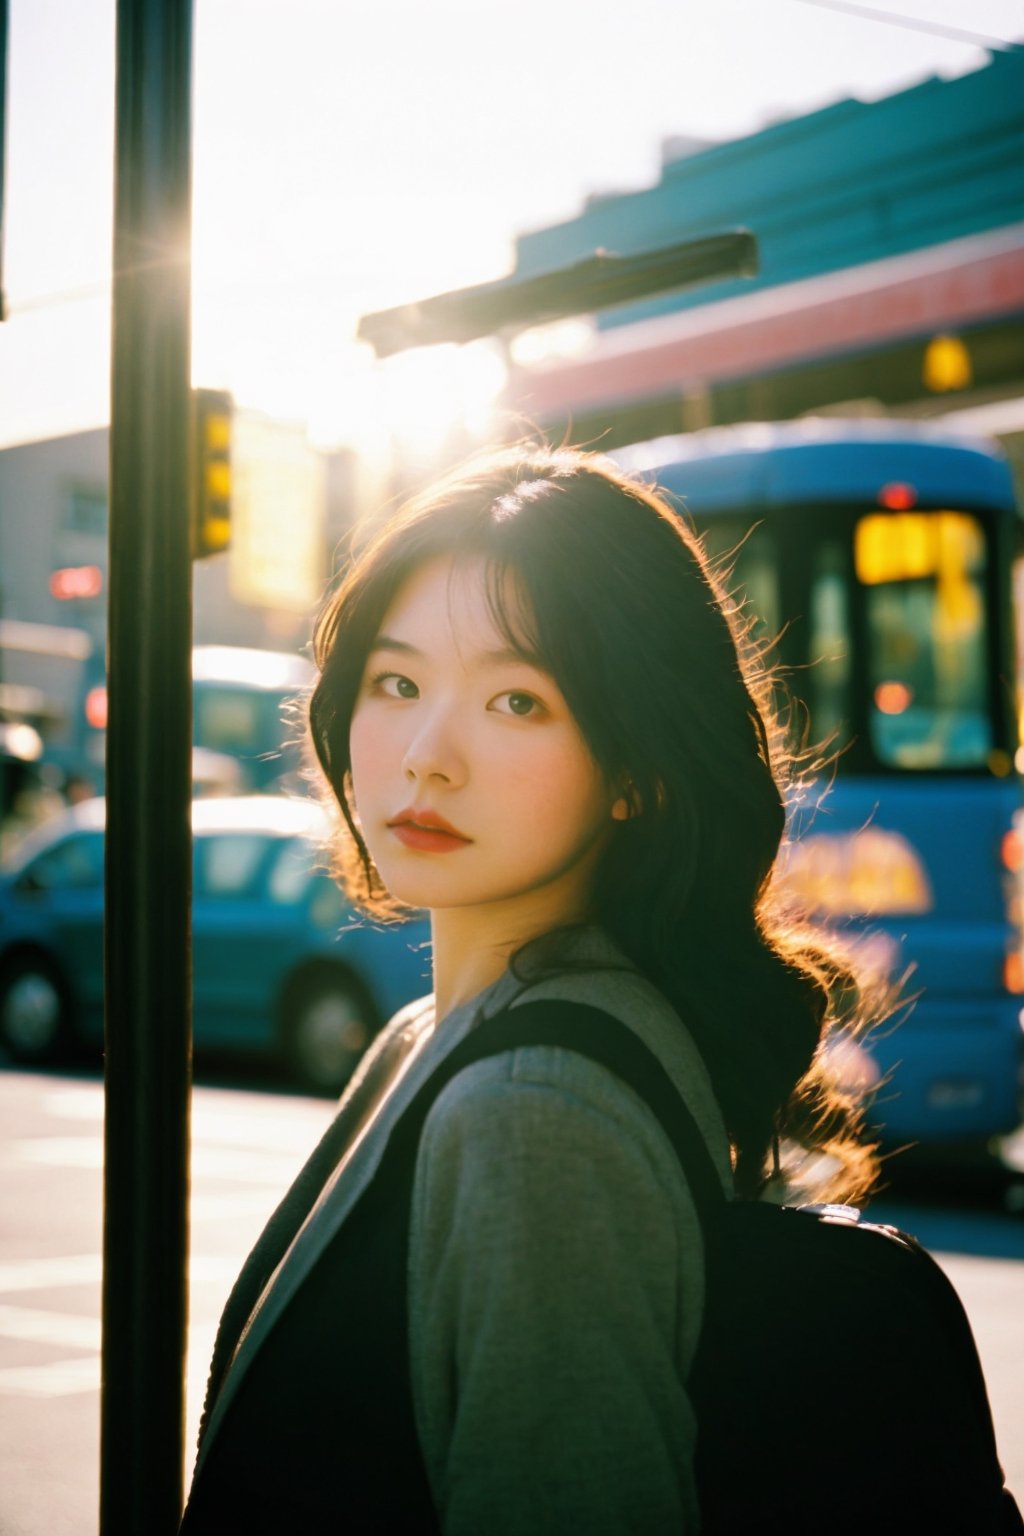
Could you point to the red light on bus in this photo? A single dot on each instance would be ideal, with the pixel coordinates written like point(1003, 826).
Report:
point(893, 698)
point(1013, 972)
point(76, 581)
point(1012, 851)
point(96, 708)
point(897, 497)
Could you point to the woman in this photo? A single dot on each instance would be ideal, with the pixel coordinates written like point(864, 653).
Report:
point(476, 1310)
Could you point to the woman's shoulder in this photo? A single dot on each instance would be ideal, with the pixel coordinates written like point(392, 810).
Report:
point(398, 1035)
point(402, 1031)
point(417, 1015)
point(629, 997)
point(587, 969)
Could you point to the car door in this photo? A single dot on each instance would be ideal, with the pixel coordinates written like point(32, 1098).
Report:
point(242, 940)
point(59, 902)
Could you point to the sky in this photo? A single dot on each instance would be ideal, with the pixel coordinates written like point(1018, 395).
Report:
point(352, 154)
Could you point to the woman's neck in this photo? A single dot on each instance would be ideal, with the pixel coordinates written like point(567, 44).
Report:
point(463, 971)
point(472, 946)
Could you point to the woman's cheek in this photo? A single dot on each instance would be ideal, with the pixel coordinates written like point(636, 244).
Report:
point(367, 746)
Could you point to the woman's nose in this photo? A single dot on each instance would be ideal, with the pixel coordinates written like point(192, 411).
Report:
point(434, 752)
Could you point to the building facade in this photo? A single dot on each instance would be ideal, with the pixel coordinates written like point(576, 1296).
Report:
point(891, 238)
point(54, 568)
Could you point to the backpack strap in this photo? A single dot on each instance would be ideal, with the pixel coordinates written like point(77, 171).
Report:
point(593, 1033)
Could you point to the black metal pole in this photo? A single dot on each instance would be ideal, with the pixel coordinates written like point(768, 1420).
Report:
point(148, 871)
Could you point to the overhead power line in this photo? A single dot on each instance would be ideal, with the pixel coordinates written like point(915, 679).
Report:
point(915, 24)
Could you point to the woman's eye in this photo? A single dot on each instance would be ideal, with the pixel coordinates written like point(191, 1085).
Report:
point(394, 686)
point(516, 704)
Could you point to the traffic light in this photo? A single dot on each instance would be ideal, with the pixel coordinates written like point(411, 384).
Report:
point(211, 479)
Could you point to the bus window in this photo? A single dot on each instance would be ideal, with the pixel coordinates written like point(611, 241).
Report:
point(749, 558)
point(923, 575)
point(829, 676)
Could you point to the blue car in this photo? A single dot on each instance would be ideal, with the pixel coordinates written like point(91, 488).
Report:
point(281, 963)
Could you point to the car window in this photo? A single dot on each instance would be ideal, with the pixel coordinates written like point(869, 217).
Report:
point(291, 871)
point(228, 863)
point(329, 909)
point(828, 686)
point(74, 864)
point(298, 870)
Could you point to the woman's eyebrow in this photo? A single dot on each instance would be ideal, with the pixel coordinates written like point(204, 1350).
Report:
point(501, 656)
point(509, 656)
point(387, 643)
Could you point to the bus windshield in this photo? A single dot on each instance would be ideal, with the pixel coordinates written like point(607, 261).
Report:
point(883, 626)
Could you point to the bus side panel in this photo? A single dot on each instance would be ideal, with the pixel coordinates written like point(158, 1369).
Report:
point(918, 875)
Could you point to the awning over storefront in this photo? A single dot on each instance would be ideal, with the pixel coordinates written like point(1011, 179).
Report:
point(942, 288)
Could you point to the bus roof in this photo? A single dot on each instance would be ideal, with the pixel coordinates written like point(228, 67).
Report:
point(823, 459)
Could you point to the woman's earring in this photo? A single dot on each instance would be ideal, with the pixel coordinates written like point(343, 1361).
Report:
point(627, 805)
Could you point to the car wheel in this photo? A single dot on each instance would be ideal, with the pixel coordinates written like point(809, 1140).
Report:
point(34, 1021)
point(329, 1023)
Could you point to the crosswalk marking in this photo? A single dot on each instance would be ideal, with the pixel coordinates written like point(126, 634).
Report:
point(87, 1269)
point(61, 1328)
point(41, 1274)
point(242, 1163)
point(66, 1377)
point(84, 1152)
point(280, 1130)
point(235, 1202)
point(58, 1378)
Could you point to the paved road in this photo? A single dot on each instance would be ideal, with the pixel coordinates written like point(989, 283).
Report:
point(248, 1146)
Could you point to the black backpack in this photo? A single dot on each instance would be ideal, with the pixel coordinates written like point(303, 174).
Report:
point(837, 1386)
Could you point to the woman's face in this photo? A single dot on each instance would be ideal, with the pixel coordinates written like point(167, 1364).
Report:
point(472, 782)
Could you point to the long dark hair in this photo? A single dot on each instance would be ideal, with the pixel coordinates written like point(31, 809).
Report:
point(616, 598)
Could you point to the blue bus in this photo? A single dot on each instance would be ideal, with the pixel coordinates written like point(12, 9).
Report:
point(881, 555)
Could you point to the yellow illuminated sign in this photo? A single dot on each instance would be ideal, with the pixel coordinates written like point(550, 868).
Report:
point(870, 873)
point(278, 548)
point(907, 546)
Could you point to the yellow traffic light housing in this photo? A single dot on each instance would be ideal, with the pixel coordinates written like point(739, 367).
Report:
point(211, 479)
point(947, 365)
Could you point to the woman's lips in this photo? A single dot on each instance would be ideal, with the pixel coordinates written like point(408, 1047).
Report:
point(427, 832)
point(427, 839)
